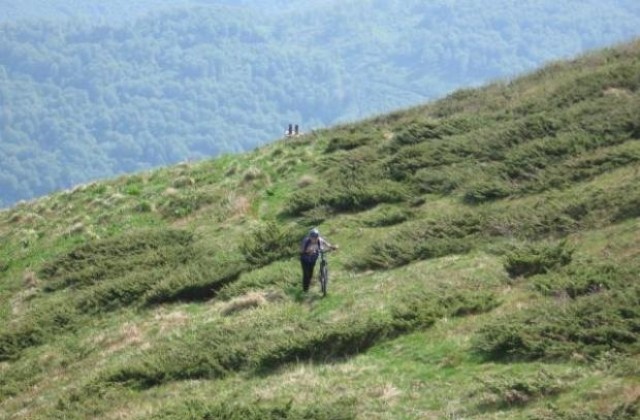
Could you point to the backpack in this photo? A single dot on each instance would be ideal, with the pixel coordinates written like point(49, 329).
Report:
point(307, 257)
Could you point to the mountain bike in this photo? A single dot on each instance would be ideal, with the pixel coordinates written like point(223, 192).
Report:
point(324, 272)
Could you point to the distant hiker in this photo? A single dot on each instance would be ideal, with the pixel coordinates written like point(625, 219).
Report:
point(295, 130)
point(309, 252)
point(289, 131)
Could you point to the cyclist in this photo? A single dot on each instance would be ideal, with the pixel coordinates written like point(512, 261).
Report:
point(309, 252)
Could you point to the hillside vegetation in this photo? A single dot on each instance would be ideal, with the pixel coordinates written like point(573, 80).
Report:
point(488, 268)
point(97, 96)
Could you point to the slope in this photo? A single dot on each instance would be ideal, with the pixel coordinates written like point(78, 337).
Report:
point(488, 269)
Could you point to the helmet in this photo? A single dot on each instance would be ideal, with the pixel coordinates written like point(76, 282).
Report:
point(314, 233)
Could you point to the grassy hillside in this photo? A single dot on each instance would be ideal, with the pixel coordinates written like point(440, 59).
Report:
point(489, 251)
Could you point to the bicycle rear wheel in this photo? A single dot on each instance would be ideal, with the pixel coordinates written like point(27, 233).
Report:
point(324, 278)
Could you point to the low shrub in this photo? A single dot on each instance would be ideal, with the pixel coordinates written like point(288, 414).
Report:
point(361, 197)
point(386, 216)
point(110, 258)
point(588, 326)
point(119, 292)
point(307, 199)
point(620, 411)
point(271, 242)
point(326, 409)
point(195, 282)
point(36, 327)
point(184, 203)
point(267, 343)
point(537, 258)
point(582, 168)
point(420, 240)
point(508, 391)
point(279, 275)
point(484, 191)
point(348, 142)
point(584, 278)
point(415, 133)
point(406, 162)
point(347, 197)
point(432, 181)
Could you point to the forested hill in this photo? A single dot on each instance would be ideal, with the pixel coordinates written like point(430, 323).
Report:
point(91, 89)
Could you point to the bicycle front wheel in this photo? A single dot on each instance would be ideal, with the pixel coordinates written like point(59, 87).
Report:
point(324, 279)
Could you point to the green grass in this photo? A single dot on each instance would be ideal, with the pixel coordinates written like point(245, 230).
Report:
point(489, 248)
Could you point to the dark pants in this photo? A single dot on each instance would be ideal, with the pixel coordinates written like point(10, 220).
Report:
point(307, 273)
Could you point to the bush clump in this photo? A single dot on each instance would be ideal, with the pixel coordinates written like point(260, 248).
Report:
point(387, 216)
point(584, 278)
point(490, 190)
point(270, 242)
point(508, 391)
point(184, 203)
point(587, 327)
point(342, 409)
point(38, 326)
point(348, 142)
point(110, 258)
point(537, 258)
point(419, 241)
point(264, 345)
point(195, 282)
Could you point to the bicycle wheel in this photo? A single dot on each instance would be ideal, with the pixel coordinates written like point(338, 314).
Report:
point(324, 278)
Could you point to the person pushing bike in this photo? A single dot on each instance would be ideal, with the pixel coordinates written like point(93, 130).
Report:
point(310, 249)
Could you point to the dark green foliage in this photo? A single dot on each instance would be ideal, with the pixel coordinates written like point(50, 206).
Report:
point(264, 345)
point(557, 214)
point(350, 140)
point(415, 133)
point(323, 409)
point(480, 192)
point(588, 326)
point(537, 126)
point(433, 181)
point(539, 258)
point(4, 266)
point(387, 216)
point(421, 240)
point(361, 197)
point(184, 203)
point(111, 258)
point(622, 411)
point(584, 167)
point(621, 74)
point(196, 282)
point(307, 199)
point(408, 160)
point(122, 291)
point(351, 181)
point(111, 274)
point(271, 242)
point(22, 375)
point(44, 322)
point(422, 309)
point(466, 302)
point(404, 249)
point(508, 391)
point(583, 278)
